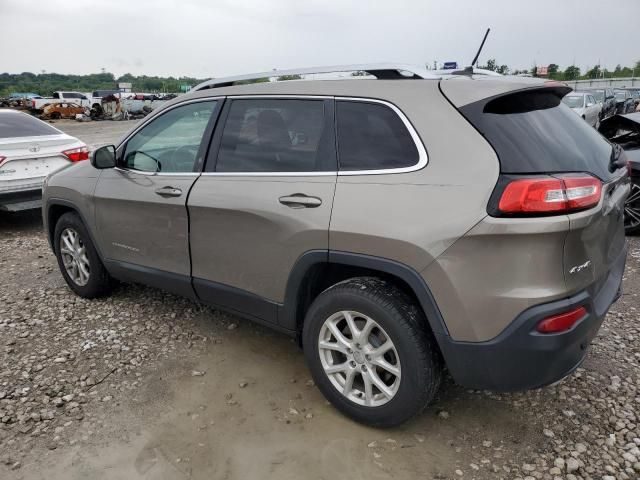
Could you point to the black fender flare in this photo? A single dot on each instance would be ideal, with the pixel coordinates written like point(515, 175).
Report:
point(51, 228)
point(287, 314)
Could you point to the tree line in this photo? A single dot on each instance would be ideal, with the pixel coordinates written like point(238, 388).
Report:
point(571, 72)
point(46, 83)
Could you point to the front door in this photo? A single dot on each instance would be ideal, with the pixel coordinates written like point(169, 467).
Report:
point(264, 202)
point(141, 213)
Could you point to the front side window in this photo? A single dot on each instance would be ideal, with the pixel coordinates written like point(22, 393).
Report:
point(276, 135)
point(371, 136)
point(170, 142)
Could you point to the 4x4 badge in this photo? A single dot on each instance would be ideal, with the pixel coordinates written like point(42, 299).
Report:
point(579, 268)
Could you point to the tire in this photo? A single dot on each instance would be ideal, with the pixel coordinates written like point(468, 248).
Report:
point(414, 355)
point(98, 281)
point(632, 209)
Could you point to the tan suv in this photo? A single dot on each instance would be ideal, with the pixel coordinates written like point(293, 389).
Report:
point(397, 223)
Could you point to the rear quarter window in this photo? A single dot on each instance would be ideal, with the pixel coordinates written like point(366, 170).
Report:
point(14, 125)
point(371, 136)
point(532, 131)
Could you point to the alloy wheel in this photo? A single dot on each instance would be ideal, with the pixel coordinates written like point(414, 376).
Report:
point(74, 257)
point(632, 207)
point(359, 358)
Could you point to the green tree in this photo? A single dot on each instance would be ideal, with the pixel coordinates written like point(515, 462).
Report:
point(572, 73)
point(552, 71)
point(595, 72)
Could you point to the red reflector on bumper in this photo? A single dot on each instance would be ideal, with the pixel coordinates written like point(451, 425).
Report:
point(562, 321)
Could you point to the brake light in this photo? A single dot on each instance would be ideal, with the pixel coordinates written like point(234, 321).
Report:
point(561, 322)
point(77, 154)
point(2, 159)
point(550, 194)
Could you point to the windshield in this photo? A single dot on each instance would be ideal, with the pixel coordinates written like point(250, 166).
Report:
point(14, 125)
point(598, 94)
point(573, 101)
point(534, 132)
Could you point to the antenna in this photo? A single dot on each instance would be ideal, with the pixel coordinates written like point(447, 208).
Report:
point(475, 59)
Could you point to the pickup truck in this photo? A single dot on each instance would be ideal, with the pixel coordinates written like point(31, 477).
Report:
point(38, 104)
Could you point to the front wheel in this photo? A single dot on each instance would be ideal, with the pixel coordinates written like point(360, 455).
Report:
point(78, 259)
point(370, 352)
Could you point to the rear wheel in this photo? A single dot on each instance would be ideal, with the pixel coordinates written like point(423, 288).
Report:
point(632, 210)
point(370, 352)
point(78, 259)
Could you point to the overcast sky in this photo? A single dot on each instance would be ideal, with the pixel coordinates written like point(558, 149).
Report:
point(205, 38)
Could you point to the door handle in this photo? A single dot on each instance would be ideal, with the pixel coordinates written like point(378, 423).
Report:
point(300, 200)
point(169, 192)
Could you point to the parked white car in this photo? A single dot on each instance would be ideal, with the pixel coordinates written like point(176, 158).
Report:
point(59, 97)
point(31, 149)
point(585, 105)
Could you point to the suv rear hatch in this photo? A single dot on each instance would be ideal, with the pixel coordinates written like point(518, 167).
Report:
point(564, 168)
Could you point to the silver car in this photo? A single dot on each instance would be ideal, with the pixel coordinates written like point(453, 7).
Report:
point(31, 149)
point(395, 223)
point(585, 105)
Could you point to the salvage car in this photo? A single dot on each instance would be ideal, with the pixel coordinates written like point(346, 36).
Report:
point(56, 111)
point(31, 149)
point(606, 98)
point(340, 213)
point(585, 105)
point(624, 130)
point(624, 101)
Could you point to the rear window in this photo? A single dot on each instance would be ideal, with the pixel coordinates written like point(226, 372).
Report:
point(534, 132)
point(371, 136)
point(18, 125)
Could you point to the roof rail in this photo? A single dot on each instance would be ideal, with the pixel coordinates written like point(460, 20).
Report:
point(382, 71)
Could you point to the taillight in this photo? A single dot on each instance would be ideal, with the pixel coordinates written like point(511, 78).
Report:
point(562, 321)
point(549, 195)
point(77, 154)
point(2, 159)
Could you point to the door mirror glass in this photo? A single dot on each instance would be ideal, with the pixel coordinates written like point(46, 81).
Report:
point(104, 157)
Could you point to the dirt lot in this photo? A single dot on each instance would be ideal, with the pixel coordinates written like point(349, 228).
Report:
point(148, 385)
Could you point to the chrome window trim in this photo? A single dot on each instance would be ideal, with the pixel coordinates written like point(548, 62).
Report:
point(151, 119)
point(422, 153)
point(423, 158)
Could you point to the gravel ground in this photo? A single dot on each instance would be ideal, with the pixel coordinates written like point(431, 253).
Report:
point(144, 384)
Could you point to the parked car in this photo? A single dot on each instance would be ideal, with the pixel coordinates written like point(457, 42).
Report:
point(30, 149)
point(606, 98)
point(624, 101)
point(19, 96)
point(624, 130)
point(56, 111)
point(585, 105)
point(37, 104)
point(370, 220)
point(635, 95)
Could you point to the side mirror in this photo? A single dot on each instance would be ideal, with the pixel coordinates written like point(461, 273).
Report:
point(104, 157)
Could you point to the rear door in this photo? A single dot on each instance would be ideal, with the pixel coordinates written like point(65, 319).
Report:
point(264, 200)
point(534, 133)
point(141, 212)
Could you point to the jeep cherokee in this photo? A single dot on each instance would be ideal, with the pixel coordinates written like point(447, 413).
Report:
point(397, 223)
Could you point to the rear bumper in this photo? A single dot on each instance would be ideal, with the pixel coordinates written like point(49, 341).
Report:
point(16, 200)
point(520, 358)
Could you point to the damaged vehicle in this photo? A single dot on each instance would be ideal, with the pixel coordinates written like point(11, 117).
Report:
point(56, 111)
point(624, 131)
point(31, 149)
